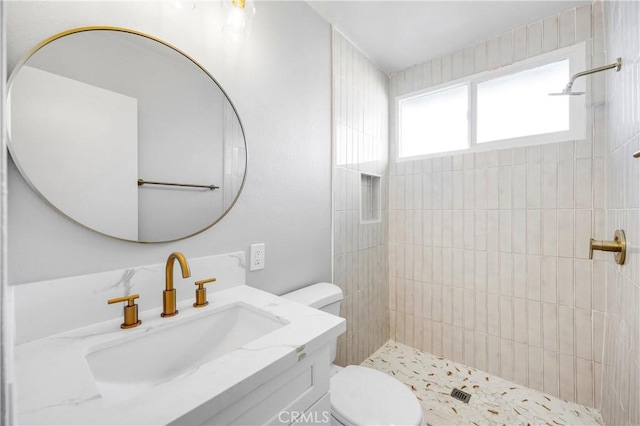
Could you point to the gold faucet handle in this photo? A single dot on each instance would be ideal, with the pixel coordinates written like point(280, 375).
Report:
point(130, 310)
point(201, 293)
point(129, 299)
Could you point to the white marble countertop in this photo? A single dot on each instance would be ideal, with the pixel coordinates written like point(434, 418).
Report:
point(55, 384)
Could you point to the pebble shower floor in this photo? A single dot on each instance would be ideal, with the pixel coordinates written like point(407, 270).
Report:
point(494, 401)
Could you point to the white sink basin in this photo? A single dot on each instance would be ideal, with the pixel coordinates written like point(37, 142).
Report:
point(136, 362)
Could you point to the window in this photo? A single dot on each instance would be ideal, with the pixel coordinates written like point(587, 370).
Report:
point(506, 107)
point(519, 104)
point(437, 117)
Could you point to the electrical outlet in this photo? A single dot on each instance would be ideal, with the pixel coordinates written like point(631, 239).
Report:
point(257, 257)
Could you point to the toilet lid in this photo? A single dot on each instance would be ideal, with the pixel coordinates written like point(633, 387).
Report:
point(363, 396)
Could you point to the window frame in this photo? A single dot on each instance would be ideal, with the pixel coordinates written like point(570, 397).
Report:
point(576, 54)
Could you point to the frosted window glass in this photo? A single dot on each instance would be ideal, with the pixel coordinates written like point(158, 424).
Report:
point(519, 104)
point(435, 122)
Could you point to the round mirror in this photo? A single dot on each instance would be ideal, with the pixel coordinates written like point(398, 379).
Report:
point(125, 135)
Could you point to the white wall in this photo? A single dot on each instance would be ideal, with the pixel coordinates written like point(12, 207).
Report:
point(621, 362)
point(279, 81)
point(489, 251)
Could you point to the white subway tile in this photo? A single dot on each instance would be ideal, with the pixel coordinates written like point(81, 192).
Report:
point(565, 233)
point(505, 231)
point(481, 193)
point(550, 326)
point(534, 324)
point(446, 68)
point(506, 48)
point(534, 231)
point(493, 355)
point(583, 233)
point(521, 368)
point(584, 382)
point(520, 44)
point(565, 329)
point(519, 231)
point(480, 271)
point(583, 283)
point(549, 185)
point(493, 229)
point(480, 350)
point(565, 184)
point(535, 368)
point(583, 184)
point(567, 377)
point(534, 37)
point(506, 317)
point(550, 233)
point(493, 53)
point(565, 281)
point(533, 277)
point(506, 274)
point(598, 336)
point(493, 185)
point(567, 27)
point(447, 341)
point(493, 272)
point(436, 71)
point(469, 344)
point(505, 187)
point(550, 34)
point(456, 65)
point(549, 279)
point(458, 344)
point(481, 312)
point(519, 320)
point(480, 58)
point(468, 57)
point(550, 368)
point(519, 275)
point(519, 187)
point(458, 307)
point(583, 23)
point(506, 359)
point(583, 334)
point(469, 310)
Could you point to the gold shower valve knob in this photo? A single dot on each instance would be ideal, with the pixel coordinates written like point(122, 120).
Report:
point(130, 310)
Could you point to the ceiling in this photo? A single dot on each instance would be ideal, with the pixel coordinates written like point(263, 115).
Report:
point(397, 34)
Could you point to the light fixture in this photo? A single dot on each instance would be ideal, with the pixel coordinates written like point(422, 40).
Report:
point(239, 16)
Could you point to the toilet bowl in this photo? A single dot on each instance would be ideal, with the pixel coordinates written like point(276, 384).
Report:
point(359, 395)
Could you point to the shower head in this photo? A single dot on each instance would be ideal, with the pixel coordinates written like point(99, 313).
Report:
point(567, 90)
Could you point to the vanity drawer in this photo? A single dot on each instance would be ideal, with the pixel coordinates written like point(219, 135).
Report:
point(282, 399)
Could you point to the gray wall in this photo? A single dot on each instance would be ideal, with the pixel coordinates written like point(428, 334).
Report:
point(280, 82)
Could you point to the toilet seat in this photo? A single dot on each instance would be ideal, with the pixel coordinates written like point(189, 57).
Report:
point(363, 396)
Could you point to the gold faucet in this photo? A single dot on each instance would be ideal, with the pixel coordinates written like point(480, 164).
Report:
point(169, 294)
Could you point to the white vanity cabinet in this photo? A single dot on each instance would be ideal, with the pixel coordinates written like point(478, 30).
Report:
point(296, 394)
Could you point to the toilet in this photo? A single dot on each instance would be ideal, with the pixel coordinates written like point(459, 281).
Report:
point(359, 395)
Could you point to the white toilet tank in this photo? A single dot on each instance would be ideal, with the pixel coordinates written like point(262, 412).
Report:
point(323, 296)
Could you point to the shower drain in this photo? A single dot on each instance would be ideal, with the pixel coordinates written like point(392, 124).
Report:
point(461, 395)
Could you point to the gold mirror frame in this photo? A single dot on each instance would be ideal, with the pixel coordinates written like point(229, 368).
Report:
point(55, 37)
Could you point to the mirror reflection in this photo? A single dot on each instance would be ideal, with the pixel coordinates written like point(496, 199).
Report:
point(93, 112)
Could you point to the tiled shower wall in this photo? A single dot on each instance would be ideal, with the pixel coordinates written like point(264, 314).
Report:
point(489, 251)
point(621, 368)
point(360, 145)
